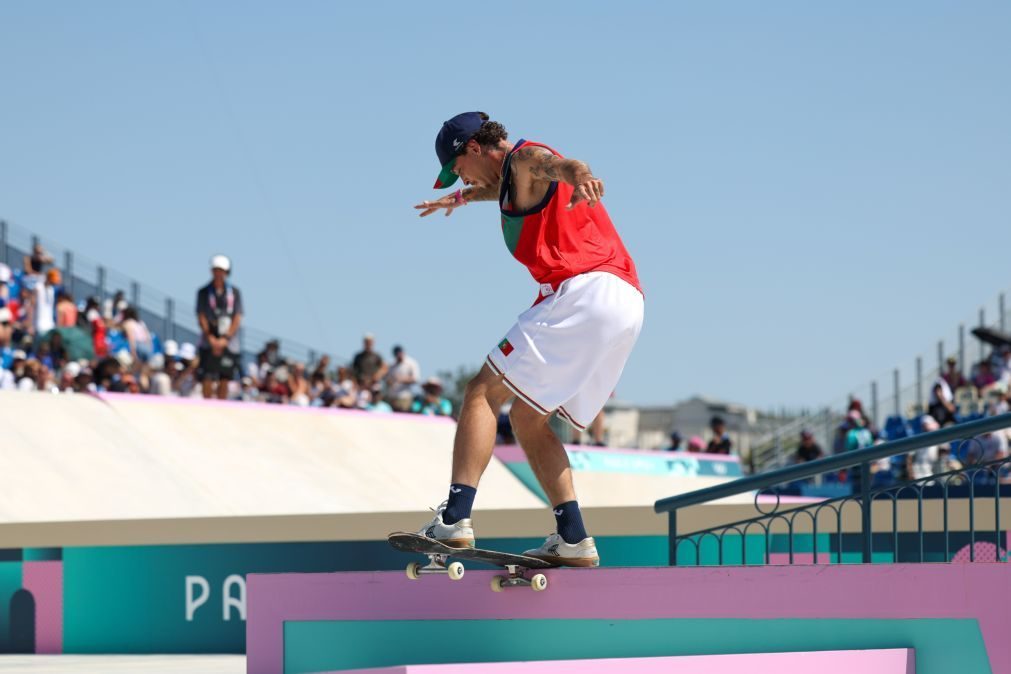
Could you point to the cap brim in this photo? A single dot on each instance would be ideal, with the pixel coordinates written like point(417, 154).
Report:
point(446, 176)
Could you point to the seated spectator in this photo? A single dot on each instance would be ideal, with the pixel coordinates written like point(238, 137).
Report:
point(847, 424)
point(696, 444)
point(953, 374)
point(66, 310)
point(5, 288)
point(68, 376)
point(377, 404)
point(431, 401)
point(921, 463)
point(321, 368)
point(6, 338)
point(809, 450)
point(272, 353)
point(319, 385)
point(112, 309)
point(257, 370)
point(137, 336)
point(675, 442)
point(160, 380)
point(97, 327)
point(53, 353)
point(1002, 366)
point(400, 379)
point(721, 443)
point(858, 437)
point(345, 390)
point(941, 404)
point(21, 311)
point(7, 381)
point(984, 378)
point(188, 366)
point(273, 389)
point(23, 371)
point(298, 385)
point(364, 397)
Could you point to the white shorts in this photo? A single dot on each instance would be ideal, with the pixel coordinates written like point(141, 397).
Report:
point(566, 353)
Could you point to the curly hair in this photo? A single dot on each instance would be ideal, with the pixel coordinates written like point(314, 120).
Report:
point(490, 133)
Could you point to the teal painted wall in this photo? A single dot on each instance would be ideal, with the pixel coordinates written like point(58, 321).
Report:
point(942, 646)
point(133, 599)
point(10, 582)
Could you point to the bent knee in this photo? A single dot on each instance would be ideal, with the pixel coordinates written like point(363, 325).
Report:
point(523, 415)
point(488, 385)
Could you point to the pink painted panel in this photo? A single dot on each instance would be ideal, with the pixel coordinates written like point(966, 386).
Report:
point(879, 591)
point(45, 581)
point(883, 661)
point(798, 558)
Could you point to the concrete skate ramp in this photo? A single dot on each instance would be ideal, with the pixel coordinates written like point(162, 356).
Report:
point(78, 457)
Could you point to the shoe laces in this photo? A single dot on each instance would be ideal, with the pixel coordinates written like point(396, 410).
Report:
point(438, 513)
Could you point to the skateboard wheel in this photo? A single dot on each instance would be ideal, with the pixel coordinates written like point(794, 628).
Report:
point(455, 571)
point(412, 571)
point(496, 583)
point(539, 582)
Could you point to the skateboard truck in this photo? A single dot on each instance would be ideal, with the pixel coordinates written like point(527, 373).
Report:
point(537, 582)
point(436, 565)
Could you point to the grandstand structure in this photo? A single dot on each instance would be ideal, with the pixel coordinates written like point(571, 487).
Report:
point(167, 317)
point(895, 400)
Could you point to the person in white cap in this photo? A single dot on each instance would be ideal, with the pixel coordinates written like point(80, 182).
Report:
point(219, 313)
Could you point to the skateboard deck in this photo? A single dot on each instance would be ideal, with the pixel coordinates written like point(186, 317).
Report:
point(439, 554)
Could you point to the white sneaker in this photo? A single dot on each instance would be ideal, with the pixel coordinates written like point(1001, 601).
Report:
point(557, 551)
point(457, 535)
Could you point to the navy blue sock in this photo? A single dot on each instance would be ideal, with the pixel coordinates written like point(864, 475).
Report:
point(461, 500)
point(570, 522)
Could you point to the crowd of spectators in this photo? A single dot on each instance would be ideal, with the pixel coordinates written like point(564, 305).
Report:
point(719, 441)
point(51, 342)
point(984, 397)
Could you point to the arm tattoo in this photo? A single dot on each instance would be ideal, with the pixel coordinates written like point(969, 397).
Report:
point(480, 194)
point(545, 166)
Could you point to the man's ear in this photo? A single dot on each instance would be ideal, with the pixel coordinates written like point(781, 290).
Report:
point(473, 147)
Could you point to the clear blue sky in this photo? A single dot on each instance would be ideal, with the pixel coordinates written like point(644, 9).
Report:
point(813, 192)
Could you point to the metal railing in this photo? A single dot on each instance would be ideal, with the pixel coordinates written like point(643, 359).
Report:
point(164, 315)
point(975, 476)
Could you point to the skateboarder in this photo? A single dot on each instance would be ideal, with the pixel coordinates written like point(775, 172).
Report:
point(565, 354)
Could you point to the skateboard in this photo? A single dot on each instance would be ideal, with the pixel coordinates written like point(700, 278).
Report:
point(439, 554)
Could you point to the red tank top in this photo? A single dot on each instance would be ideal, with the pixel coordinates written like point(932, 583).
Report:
point(556, 244)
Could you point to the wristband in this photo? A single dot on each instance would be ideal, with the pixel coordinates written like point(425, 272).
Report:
point(458, 198)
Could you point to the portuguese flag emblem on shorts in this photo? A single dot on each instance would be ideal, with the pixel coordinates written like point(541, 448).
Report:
point(505, 347)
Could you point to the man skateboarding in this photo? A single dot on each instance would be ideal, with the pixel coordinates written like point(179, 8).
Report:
point(565, 354)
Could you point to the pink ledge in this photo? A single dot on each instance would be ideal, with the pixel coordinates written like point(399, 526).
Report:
point(879, 591)
point(881, 661)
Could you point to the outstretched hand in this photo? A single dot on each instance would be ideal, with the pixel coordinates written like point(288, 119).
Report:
point(448, 202)
point(588, 189)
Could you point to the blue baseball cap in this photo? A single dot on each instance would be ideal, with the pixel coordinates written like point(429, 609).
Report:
point(453, 135)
